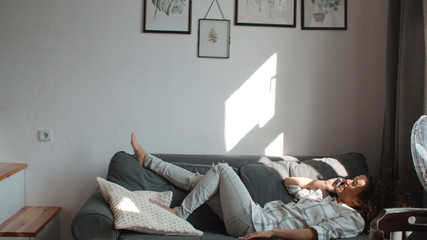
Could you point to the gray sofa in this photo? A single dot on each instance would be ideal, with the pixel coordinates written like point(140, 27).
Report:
point(261, 175)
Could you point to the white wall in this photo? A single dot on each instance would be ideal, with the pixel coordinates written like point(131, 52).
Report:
point(84, 70)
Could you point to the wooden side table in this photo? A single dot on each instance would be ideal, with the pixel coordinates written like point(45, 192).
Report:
point(12, 189)
point(38, 223)
point(29, 222)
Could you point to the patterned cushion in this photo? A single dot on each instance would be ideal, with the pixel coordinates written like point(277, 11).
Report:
point(133, 211)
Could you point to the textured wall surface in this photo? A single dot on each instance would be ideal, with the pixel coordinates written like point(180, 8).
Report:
point(85, 70)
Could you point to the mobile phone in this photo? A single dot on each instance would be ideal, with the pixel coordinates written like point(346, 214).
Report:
point(339, 183)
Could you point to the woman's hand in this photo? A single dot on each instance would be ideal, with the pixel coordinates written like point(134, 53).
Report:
point(262, 234)
point(309, 183)
point(304, 233)
point(330, 184)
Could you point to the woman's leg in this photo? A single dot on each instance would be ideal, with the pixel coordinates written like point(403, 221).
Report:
point(178, 176)
point(234, 198)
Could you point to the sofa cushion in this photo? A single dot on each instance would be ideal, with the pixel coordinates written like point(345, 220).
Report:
point(347, 165)
point(133, 211)
point(253, 174)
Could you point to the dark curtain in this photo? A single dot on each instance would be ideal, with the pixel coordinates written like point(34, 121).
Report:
point(405, 91)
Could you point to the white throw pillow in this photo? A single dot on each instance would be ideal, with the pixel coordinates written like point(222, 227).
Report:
point(133, 211)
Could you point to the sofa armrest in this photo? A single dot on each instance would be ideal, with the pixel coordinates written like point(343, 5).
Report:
point(94, 220)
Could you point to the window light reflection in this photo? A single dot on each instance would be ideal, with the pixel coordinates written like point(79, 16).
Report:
point(127, 205)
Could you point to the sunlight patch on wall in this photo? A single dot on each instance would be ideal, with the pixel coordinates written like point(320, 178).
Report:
point(276, 147)
point(252, 104)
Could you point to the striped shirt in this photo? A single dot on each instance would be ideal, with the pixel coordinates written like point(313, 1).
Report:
point(314, 209)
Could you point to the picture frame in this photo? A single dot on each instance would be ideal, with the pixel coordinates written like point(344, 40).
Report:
point(214, 38)
point(167, 16)
point(324, 14)
point(267, 13)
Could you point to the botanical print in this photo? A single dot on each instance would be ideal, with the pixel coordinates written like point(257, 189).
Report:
point(213, 37)
point(169, 6)
point(167, 16)
point(324, 13)
point(321, 8)
point(266, 11)
point(266, 7)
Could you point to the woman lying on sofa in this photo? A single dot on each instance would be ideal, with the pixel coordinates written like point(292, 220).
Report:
point(315, 216)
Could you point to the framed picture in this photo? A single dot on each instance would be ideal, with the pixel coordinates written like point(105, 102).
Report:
point(214, 38)
point(324, 14)
point(167, 16)
point(270, 13)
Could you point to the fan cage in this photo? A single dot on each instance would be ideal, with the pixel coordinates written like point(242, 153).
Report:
point(418, 149)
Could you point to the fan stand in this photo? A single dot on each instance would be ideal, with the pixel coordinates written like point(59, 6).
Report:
point(397, 220)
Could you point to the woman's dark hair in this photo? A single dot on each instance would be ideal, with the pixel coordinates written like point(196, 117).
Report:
point(378, 194)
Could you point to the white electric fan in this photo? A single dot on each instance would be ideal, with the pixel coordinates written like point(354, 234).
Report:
point(407, 219)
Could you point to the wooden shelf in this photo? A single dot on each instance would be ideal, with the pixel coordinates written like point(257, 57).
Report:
point(8, 169)
point(28, 222)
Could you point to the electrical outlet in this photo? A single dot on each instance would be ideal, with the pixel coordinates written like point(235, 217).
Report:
point(45, 135)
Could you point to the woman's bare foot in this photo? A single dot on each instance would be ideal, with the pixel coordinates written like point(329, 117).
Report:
point(164, 207)
point(140, 152)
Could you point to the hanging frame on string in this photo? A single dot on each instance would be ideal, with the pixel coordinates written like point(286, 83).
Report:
point(214, 36)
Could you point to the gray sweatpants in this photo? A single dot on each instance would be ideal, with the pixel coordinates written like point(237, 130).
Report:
point(220, 188)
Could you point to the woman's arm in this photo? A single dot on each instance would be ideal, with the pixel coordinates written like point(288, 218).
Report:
point(297, 234)
point(309, 183)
